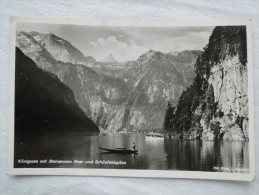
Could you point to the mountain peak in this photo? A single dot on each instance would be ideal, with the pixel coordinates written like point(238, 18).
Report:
point(110, 58)
point(152, 52)
point(59, 48)
point(150, 55)
point(173, 53)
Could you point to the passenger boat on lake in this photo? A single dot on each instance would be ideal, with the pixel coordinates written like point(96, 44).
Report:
point(151, 135)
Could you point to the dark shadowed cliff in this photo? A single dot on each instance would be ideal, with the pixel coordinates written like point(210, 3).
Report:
point(43, 103)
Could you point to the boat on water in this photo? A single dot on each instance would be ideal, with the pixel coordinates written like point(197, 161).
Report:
point(152, 135)
point(119, 150)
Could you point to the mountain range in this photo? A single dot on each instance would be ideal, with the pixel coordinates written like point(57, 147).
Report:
point(117, 96)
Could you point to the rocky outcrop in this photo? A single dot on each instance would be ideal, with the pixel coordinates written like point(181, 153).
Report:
point(215, 106)
point(43, 103)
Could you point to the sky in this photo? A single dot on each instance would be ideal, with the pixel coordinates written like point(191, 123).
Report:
point(125, 43)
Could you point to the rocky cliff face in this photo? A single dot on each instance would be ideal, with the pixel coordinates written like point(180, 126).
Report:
point(156, 78)
point(215, 106)
point(44, 104)
point(117, 96)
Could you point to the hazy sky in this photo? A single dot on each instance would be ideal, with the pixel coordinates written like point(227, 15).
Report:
point(125, 43)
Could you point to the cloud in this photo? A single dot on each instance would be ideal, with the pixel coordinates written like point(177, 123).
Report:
point(128, 43)
point(171, 39)
point(189, 41)
point(121, 50)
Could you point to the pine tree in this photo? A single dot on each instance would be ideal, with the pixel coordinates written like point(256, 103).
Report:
point(169, 118)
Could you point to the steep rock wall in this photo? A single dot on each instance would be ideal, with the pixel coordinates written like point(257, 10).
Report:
point(216, 104)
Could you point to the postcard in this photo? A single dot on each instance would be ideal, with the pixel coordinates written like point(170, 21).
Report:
point(159, 99)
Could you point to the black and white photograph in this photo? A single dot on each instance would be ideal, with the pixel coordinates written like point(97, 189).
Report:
point(110, 98)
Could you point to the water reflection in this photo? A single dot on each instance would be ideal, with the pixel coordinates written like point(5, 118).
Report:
point(155, 150)
point(235, 157)
point(156, 154)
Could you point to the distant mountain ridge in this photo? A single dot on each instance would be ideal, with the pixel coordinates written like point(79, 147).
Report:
point(126, 96)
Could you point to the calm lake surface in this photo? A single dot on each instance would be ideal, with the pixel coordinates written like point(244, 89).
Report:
point(156, 154)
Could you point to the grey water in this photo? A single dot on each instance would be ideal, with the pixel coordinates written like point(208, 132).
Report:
point(153, 154)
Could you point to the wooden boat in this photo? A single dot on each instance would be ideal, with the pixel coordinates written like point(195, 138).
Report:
point(119, 150)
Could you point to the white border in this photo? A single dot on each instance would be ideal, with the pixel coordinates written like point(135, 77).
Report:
point(130, 172)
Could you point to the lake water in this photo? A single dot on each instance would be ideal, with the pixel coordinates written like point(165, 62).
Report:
point(155, 154)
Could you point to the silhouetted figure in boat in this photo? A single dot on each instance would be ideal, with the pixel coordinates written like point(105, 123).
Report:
point(134, 146)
